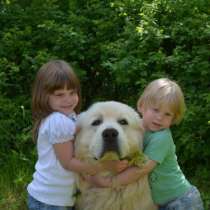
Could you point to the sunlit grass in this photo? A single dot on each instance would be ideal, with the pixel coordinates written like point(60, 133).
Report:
point(15, 174)
point(12, 199)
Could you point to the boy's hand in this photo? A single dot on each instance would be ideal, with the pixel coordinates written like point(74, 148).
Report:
point(115, 166)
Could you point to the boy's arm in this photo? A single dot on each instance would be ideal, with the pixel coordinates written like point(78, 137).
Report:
point(134, 173)
point(126, 177)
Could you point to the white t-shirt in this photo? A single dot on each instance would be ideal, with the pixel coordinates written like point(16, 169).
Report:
point(51, 183)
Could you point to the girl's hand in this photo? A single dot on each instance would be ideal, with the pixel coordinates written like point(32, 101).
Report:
point(115, 166)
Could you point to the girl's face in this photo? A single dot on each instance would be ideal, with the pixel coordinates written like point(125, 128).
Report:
point(156, 118)
point(64, 100)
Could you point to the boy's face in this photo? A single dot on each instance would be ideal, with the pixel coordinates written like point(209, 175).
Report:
point(156, 118)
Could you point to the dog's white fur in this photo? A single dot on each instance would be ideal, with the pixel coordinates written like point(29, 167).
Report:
point(89, 146)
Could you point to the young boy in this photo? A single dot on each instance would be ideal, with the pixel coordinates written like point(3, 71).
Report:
point(161, 105)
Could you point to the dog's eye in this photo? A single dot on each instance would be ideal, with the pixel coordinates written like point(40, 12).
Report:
point(96, 122)
point(123, 122)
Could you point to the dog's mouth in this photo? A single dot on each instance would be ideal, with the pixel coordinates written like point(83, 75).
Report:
point(110, 156)
point(110, 144)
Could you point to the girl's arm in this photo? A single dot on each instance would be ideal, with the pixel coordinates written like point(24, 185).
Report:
point(65, 154)
point(126, 177)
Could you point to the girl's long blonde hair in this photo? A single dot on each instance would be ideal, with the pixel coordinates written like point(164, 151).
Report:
point(54, 75)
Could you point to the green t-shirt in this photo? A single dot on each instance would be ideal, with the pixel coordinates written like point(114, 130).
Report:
point(167, 181)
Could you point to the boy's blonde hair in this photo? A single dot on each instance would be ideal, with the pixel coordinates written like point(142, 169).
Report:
point(164, 92)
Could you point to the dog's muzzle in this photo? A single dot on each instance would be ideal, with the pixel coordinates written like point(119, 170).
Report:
point(110, 141)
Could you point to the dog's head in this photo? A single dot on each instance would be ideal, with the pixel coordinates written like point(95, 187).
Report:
point(108, 127)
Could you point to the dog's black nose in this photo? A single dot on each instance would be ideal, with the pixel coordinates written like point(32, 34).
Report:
point(110, 133)
point(110, 141)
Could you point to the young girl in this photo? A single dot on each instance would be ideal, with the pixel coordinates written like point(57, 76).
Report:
point(161, 105)
point(55, 103)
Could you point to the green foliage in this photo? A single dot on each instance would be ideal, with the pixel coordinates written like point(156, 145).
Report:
point(116, 47)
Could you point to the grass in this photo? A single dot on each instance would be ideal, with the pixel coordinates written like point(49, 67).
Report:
point(16, 173)
point(13, 199)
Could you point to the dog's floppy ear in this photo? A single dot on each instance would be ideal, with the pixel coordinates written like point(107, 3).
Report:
point(79, 123)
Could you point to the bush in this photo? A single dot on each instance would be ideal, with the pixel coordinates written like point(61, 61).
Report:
point(115, 56)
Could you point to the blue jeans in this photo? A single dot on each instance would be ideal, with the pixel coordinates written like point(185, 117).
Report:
point(191, 200)
point(34, 204)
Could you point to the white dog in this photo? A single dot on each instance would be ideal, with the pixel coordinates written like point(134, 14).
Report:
point(111, 127)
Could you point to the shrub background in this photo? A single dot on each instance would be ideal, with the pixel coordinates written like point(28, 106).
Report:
point(116, 47)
